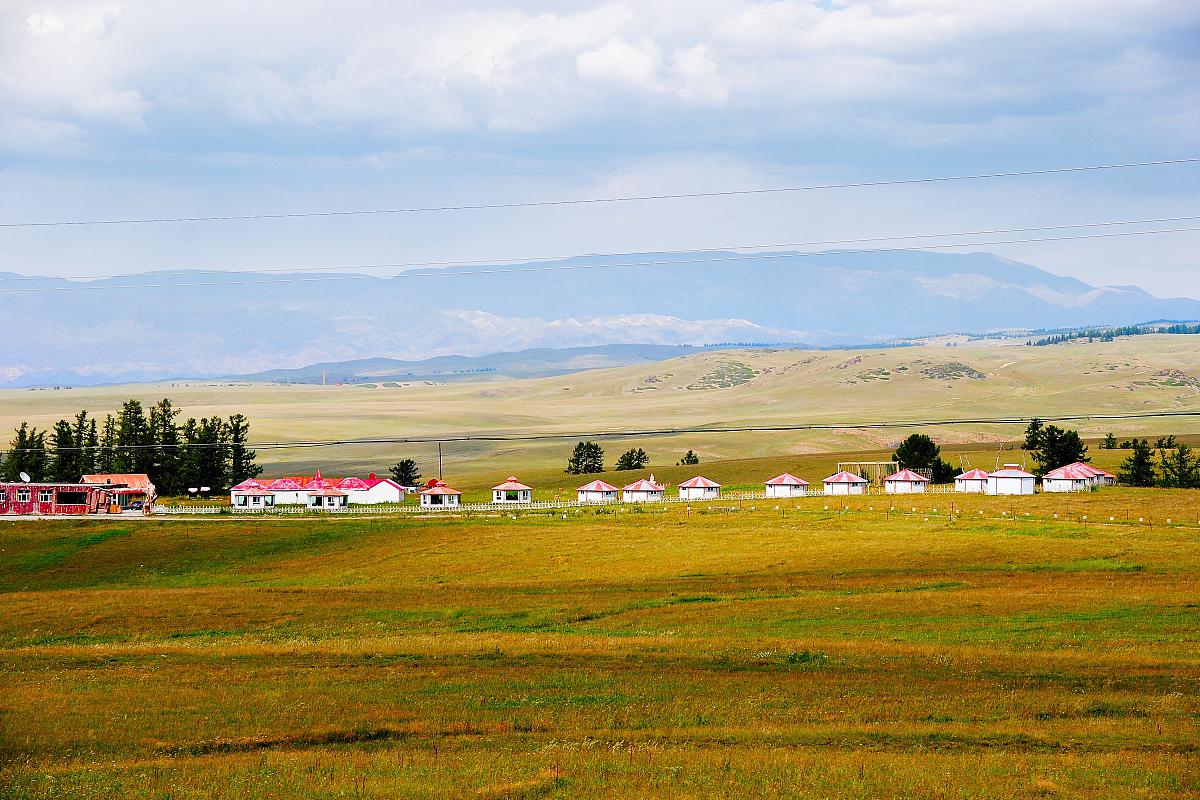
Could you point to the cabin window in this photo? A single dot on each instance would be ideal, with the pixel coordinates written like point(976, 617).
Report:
point(46, 496)
point(512, 497)
point(23, 495)
point(3, 497)
point(241, 500)
point(72, 498)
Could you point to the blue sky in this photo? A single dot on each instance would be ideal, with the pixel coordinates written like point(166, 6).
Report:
point(114, 109)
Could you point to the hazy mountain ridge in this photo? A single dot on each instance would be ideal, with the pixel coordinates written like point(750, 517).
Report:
point(176, 324)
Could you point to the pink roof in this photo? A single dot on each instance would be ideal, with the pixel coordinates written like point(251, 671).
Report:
point(326, 491)
point(699, 482)
point(249, 491)
point(845, 477)
point(642, 486)
point(597, 486)
point(352, 483)
point(1010, 471)
point(973, 475)
point(285, 484)
point(907, 475)
point(249, 483)
point(787, 479)
point(1070, 472)
point(371, 483)
point(439, 487)
point(1090, 470)
point(511, 485)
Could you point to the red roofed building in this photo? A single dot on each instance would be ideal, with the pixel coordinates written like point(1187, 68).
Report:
point(596, 492)
point(643, 491)
point(845, 483)
point(512, 492)
point(327, 498)
point(699, 488)
point(438, 495)
point(135, 491)
point(787, 485)
point(904, 482)
point(57, 499)
point(298, 490)
point(1071, 478)
point(973, 482)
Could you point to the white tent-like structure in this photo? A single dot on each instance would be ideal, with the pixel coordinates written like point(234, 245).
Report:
point(905, 482)
point(597, 492)
point(787, 485)
point(643, 491)
point(972, 482)
point(699, 488)
point(845, 483)
point(1011, 480)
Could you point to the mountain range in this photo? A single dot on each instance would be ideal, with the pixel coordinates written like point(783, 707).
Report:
point(162, 325)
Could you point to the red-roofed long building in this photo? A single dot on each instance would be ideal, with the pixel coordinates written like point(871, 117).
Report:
point(299, 490)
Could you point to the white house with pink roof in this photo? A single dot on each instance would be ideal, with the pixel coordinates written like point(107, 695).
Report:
point(437, 494)
point(845, 483)
point(972, 482)
point(1071, 478)
point(643, 491)
point(597, 492)
point(905, 482)
point(699, 488)
point(298, 491)
point(512, 492)
point(787, 485)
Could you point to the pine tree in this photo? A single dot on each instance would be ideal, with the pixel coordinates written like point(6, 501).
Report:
point(634, 458)
point(406, 472)
point(1180, 469)
point(1109, 443)
point(241, 458)
point(1033, 435)
point(164, 436)
point(106, 454)
point(64, 453)
point(1057, 448)
point(27, 453)
point(134, 450)
point(1138, 468)
point(85, 440)
point(689, 459)
point(920, 452)
point(586, 459)
point(209, 454)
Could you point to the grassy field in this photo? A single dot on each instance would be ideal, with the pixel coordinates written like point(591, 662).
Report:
point(759, 387)
point(740, 650)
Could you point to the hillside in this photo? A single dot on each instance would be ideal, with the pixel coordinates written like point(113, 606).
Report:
point(725, 388)
point(182, 325)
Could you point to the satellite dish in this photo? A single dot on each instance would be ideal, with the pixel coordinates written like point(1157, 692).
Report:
point(24, 477)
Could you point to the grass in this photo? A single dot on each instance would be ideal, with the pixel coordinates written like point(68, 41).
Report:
point(779, 652)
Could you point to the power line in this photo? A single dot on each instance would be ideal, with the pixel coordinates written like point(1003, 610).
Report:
point(647, 432)
point(600, 266)
point(600, 200)
point(563, 257)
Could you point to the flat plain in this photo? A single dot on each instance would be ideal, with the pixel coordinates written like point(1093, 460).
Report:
point(924, 647)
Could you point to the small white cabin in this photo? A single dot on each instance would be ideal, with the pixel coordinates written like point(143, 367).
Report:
point(699, 488)
point(972, 482)
point(596, 492)
point(438, 495)
point(643, 491)
point(512, 492)
point(252, 498)
point(787, 485)
point(905, 482)
point(845, 483)
point(1011, 480)
point(328, 498)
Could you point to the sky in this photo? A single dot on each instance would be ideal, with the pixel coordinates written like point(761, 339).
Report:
point(114, 109)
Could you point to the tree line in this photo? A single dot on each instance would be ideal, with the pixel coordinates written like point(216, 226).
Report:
point(211, 451)
point(1176, 467)
point(1107, 334)
point(588, 459)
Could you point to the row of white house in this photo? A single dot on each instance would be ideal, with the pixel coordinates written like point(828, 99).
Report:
point(326, 493)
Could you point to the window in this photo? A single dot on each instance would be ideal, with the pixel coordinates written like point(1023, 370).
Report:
point(241, 499)
point(3, 497)
point(72, 498)
point(23, 495)
point(46, 496)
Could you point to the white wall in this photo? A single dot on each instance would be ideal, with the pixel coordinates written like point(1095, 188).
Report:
point(903, 487)
point(699, 493)
point(971, 486)
point(777, 490)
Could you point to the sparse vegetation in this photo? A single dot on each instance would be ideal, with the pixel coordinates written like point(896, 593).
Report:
point(725, 375)
point(952, 371)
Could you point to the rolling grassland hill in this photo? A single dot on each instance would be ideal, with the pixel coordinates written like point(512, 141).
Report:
point(1001, 378)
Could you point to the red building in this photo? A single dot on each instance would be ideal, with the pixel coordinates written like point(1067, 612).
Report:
point(55, 498)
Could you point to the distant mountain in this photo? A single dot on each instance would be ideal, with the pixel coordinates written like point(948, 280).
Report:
point(187, 325)
point(539, 362)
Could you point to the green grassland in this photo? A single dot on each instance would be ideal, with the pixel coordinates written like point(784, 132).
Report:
point(750, 387)
point(973, 647)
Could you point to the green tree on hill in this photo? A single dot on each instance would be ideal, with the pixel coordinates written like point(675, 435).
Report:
point(919, 452)
point(1138, 468)
point(1033, 435)
point(406, 472)
point(1056, 448)
point(586, 459)
point(689, 459)
point(64, 455)
point(632, 459)
point(1109, 443)
point(241, 457)
point(87, 441)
